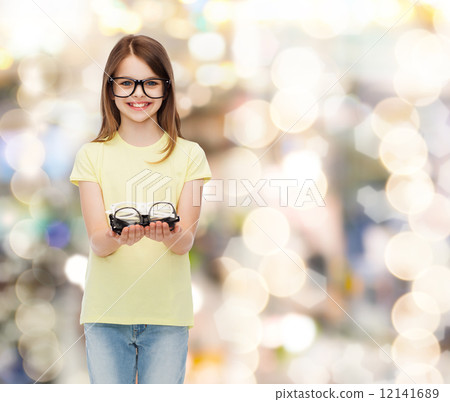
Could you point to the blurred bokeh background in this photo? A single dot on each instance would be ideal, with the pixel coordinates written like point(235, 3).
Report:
point(348, 95)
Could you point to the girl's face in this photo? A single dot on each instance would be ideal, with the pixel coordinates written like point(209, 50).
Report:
point(138, 107)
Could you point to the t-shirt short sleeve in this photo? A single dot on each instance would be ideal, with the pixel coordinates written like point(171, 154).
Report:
point(198, 167)
point(84, 166)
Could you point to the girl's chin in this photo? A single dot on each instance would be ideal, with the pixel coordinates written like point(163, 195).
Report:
point(141, 118)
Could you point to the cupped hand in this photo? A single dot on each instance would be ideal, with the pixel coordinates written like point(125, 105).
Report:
point(160, 231)
point(130, 235)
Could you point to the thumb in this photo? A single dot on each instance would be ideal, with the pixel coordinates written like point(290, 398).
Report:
point(111, 233)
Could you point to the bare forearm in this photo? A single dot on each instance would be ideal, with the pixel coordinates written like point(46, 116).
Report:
point(181, 242)
point(102, 244)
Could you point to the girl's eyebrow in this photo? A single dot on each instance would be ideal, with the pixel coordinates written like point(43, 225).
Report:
point(127, 76)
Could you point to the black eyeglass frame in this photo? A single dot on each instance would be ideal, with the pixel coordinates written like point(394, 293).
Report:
point(141, 83)
point(117, 224)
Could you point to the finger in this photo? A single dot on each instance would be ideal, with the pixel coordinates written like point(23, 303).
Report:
point(140, 232)
point(123, 238)
point(177, 228)
point(132, 235)
point(153, 230)
point(129, 234)
point(166, 229)
point(114, 236)
point(159, 231)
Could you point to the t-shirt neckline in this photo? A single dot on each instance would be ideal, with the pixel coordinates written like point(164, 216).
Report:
point(147, 147)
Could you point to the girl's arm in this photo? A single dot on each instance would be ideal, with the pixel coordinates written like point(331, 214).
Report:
point(181, 239)
point(101, 237)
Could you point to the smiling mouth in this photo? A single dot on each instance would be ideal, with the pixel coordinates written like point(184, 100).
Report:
point(140, 105)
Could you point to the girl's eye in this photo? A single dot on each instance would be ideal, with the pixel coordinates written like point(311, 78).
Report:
point(127, 83)
point(151, 83)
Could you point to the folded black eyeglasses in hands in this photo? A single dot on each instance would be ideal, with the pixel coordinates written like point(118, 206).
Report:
point(126, 214)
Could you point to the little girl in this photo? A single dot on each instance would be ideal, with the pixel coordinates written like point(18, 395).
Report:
point(137, 304)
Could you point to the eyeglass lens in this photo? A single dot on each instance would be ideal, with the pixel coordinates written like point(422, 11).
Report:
point(161, 210)
point(129, 215)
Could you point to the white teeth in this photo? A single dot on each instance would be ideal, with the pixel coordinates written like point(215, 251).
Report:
point(138, 104)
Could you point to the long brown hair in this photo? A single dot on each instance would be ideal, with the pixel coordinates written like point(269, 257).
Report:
point(156, 57)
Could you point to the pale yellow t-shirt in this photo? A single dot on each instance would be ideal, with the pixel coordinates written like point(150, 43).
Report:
point(145, 283)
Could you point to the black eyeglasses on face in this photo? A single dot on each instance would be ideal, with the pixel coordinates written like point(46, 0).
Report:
point(154, 88)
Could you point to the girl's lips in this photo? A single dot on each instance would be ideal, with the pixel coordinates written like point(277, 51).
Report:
point(139, 105)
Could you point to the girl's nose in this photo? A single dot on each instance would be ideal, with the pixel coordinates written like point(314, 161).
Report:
point(139, 89)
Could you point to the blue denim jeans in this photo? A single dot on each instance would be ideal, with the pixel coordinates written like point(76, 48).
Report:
point(116, 353)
